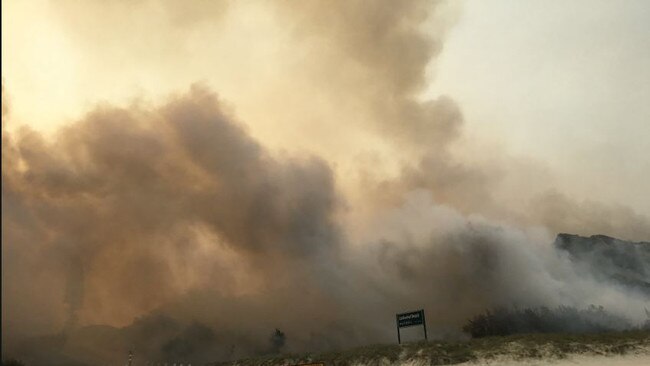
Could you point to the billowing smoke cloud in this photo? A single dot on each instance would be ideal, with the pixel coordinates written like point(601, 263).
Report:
point(167, 229)
point(130, 208)
point(386, 51)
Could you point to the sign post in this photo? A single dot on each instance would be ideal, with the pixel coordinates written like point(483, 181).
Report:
point(410, 319)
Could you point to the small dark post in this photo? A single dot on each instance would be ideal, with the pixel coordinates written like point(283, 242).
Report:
point(424, 322)
point(399, 339)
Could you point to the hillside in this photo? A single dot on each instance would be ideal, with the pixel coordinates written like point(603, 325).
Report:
point(609, 259)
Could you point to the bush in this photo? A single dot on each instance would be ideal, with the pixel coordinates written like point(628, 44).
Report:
point(12, 362)
point(277, 341)
point(563, 319)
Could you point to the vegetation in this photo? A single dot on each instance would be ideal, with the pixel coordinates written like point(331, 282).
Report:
point(563, 319)
point(520, 346)
point(277, 341)
point(12, 362)
point(500, 333)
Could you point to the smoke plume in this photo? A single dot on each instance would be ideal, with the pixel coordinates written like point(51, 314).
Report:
point(170, 228)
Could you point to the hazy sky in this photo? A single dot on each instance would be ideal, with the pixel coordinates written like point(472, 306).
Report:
point(565, 83)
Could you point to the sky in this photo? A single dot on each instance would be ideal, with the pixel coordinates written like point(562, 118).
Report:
point(195, 167)
point(565, 84)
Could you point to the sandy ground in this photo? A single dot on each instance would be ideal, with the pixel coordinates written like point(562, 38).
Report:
point(625, 360)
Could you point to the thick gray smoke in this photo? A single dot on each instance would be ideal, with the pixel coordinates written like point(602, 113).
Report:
point(175, 214)
point(168, 230)
point(129, 209)
point(610, 259)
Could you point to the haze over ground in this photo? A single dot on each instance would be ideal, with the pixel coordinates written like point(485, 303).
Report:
point(221, 162)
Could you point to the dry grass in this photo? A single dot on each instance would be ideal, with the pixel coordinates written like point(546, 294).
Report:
point(524, 346)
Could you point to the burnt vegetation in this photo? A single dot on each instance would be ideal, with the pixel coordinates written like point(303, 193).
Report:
point(12, 362)
point(277, 341)
point(563, 319)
